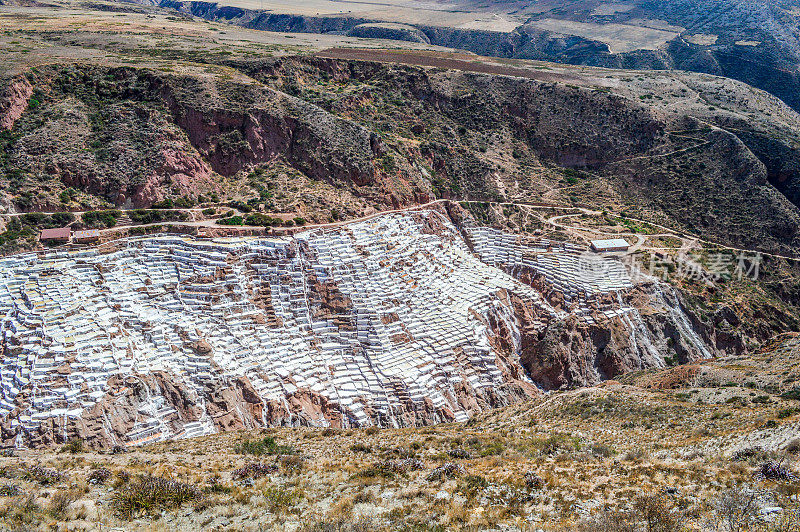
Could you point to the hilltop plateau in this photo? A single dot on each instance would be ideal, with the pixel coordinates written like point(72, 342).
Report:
point(754, 41)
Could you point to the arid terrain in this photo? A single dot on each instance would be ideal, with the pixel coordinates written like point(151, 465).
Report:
point(341, 269)
point(709, 446)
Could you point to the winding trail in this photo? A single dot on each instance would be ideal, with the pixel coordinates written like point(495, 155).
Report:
point(687, 241)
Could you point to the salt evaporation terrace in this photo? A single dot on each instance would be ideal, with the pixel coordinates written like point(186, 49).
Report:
point(413, 326)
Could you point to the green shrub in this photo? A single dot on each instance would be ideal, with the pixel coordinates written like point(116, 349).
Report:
point(74, 446)
point(35, 219)
point(164, 204)
point(233, 220)
point(67, 195)
point(240, 205)
point(262, 220)
point(184, 202)
point(267, 446)
point(149, 216)
point(101, 218)
point(60, 219)
point(43, 221)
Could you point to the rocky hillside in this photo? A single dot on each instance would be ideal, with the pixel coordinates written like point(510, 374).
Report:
point(700, 154)
point(709, 446)
point(655, 144)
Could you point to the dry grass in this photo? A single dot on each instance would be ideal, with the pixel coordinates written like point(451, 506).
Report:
point(617, 457)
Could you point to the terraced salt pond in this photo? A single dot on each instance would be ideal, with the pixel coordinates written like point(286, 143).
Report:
point(372, 317)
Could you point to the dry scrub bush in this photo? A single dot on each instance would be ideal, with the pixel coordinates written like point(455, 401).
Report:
point(608, 521)
point(21, 511)
point(656, 513)
point(42, 475)
point(282, 500)
point(736, 509)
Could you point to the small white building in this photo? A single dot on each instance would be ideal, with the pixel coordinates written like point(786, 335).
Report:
point(613, 244)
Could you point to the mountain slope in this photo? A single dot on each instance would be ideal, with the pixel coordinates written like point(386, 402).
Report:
point(478, 137)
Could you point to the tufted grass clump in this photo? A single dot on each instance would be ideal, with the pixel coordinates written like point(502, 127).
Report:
point(150, 494)
point(282, 500)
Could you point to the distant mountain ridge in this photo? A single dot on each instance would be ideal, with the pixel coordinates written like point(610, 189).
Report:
point(756, 42)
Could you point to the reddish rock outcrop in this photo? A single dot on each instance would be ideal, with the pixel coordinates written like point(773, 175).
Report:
point(14, 101)
point(180, 170)
point(570, 352)
point(235, 407)
point(258, 125)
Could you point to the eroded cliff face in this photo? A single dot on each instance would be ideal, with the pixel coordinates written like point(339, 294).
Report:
point(101, 131)
point(135, 137)
point(389, 136)
point(237, 126)
point(569, 352)
point(691, 163)
point(14, 101)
